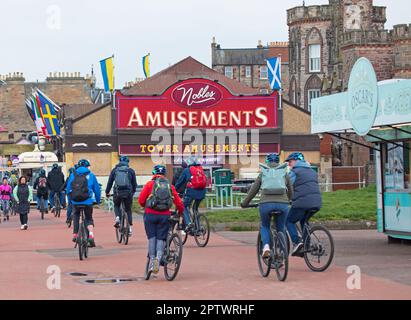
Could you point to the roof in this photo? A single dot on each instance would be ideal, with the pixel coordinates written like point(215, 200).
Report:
point(248, 56)
point(183, 70)
point(3, 129)
point(77, 111)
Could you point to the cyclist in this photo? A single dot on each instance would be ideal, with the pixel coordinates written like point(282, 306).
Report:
point(196, 181)
point(306, 196)
point(83, 189)
point(276, 192)
point(125, 185)
point(69, 204)
point(177, 176)
point(14, 178)
point(41, 186)
point(5, 197)
point(55, 180)
point(157, 197)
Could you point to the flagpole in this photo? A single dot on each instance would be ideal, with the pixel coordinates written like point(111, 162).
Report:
point(113, 102)
point(281, 89)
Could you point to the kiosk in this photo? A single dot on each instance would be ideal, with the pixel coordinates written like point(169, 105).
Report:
point(381, 113)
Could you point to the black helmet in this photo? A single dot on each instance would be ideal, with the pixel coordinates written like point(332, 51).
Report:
point(84, 163)
point(160, 169)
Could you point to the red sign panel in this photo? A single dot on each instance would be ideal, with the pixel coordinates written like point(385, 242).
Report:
point(196, 103)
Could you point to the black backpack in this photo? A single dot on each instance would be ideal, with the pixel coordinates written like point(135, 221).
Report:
point(79, 188)
point(161, 198)
point(122, 181)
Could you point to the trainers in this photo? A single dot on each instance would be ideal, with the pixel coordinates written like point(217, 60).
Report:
point(151, 266)
point(74, 239)
point(26, 227)
point(296, 248)
point(182, 233)
point(266, 251)
point(130, 231)
point(91, 242)
point(155, 266)
point(22, 227)
point(117, 223)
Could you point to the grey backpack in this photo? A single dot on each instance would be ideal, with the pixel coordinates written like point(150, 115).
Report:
point(122, 179)
point(273, 181)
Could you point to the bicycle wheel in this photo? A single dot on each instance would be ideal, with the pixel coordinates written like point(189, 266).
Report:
point(57, 205)
point(119, 236)
point(173, 254)
point(264, 264)
point(126, 228)
point(202, 235)
point(288, 241)
point(80, 241)
point(147, 273)
point(85, 242)
point(319, 249)
point(280, 256)
point(42, 209)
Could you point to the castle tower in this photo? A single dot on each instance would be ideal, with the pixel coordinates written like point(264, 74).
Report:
point(401, 36)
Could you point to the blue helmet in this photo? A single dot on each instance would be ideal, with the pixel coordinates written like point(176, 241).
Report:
point(160, 169)
point(76, 166)
point(295, 156)
point(192, 161)
point(55, 166)
point(124, 159)
point(272, 158)
point(84, 163)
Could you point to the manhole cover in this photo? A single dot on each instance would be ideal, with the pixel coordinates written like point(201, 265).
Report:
point(78, 274)
point(111, 280)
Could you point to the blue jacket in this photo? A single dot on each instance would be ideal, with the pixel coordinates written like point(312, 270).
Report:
point(190, 192)
point(307, 193)
point(93, 187)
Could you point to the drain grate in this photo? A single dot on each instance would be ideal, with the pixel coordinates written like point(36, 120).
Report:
point(111, 280)
point(78, 274)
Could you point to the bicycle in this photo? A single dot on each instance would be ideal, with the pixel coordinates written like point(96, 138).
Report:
point(57, 205)
point(200, 230)
point(13, 205)
point(82, 236)
point(315, 245)
point(278, 258)
point(173, 253)
point(123, 231)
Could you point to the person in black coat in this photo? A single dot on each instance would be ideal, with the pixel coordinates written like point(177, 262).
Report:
point(55, 180)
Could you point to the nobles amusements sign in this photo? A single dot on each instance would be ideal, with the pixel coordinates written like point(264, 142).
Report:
point(196, 103)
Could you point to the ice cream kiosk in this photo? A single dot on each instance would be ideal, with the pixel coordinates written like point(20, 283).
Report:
point(381, 113)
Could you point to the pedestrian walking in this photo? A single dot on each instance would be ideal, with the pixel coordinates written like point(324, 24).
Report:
point(23, 194)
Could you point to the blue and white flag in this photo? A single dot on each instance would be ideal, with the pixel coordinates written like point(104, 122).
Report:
point(274, 72)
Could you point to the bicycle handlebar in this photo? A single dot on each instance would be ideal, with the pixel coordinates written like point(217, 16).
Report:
point(256, 205)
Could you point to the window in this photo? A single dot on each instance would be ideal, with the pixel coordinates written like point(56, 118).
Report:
point(248, 71)
point(264, 72)
point(228, 71)
point(315, 57)
point(312, 94)
point(264, 91)
point(397, 166)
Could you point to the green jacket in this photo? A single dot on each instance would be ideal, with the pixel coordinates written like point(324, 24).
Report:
point(255, 188)
point(16, 196)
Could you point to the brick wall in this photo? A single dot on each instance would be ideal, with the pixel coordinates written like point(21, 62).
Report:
point(100, 121)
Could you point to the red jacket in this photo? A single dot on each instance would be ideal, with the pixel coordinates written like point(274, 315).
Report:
point(148, 189)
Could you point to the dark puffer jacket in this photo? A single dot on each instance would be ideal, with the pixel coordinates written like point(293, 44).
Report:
point(307, 193)
point(55, 180)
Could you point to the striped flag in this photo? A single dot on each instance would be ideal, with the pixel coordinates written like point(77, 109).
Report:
point(38, 117)
point(107, 70)
point(30, 109)
point(49, 114)
point(146, 65)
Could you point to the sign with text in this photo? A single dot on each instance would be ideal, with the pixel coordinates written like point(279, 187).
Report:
point(196, 103)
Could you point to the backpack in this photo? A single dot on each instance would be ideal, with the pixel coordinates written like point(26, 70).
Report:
point(198, 178)
point(273, 181)
point(79, 188)
point(122, 179)
point(161, 198)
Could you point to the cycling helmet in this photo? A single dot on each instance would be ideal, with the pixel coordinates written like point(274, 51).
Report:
point(84, 163)
point(13, 171)
point(272, 158)
point(42, 172)
point(160, 169)
point(124, 159)
point(184, 164)
point(71, 170)
point(76, 166)
point(55, 166)
point(295, 156)
point(192, 161)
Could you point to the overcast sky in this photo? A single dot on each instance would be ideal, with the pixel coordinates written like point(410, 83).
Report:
point(42, 36)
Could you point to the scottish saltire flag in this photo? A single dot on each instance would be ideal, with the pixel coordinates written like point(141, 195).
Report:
point(48, 111)
point(274, 72)
point(146, 66)
point(107, 70)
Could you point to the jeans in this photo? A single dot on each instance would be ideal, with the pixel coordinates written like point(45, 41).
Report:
point(128, 202)
point(188, 201)
point(266, 210)
point(69, 207)
point(297, 215)
point(51, 198)
point(45, 201)
point(5, 204)
point(88, 218)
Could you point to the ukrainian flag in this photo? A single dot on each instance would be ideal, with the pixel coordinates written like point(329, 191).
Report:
point(107, 70)
point(146, 66)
